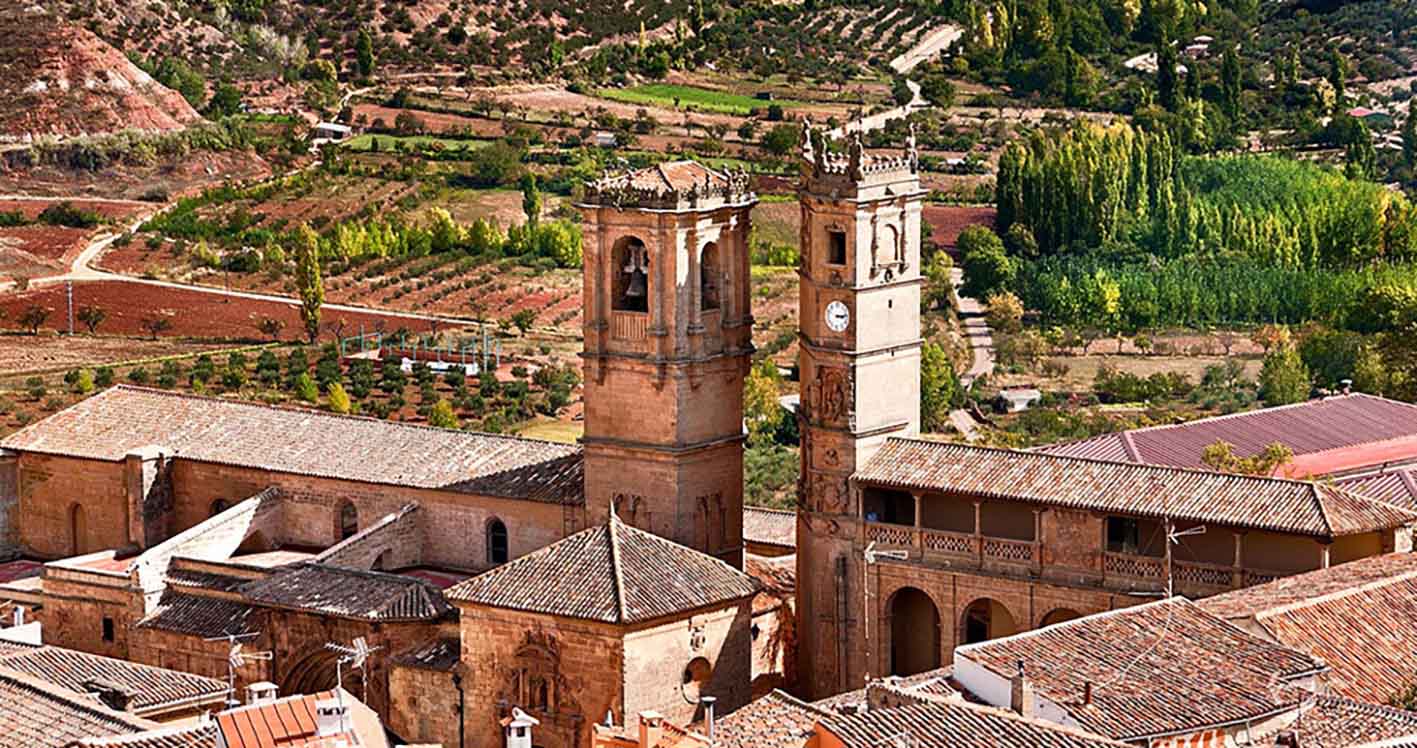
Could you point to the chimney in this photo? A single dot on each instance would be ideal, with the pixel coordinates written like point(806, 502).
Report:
point(261, 692)
point(19, 613)
point(113, 696)
point(1021, 693)
point(651, 728)
point(331, 718)
point(1087, 693)
point(517, 729)
point(708, 702)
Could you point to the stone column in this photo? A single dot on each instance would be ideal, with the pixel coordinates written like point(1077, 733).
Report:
point(978, 533)
point(1237, 573)
point(1038, 540)
point(1324, 549)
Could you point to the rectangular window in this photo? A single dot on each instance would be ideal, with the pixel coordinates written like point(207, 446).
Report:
point(836, 247)
point(108, 629)
point(1123, 536)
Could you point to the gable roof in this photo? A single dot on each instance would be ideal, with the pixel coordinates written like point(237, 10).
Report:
point(1396, 487)
point(290, 722)
point(36, 714)
point(1157, 669)
point(121, 419)
point(1360, 618)
point(199, 615)
point(348, 593)
point(153, 689)
point(1328, 435)
point(1332, 722)
point(777, 720)
point(200, 735)
point(612, 573)
point(770, 526)
point(1289, 506)
point(956, 725)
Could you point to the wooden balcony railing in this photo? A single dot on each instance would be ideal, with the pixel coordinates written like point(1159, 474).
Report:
point(1188, 575)
point(629, 325)
point(953, 545)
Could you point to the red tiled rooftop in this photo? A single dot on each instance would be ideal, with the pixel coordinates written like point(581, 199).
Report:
point(20, 568)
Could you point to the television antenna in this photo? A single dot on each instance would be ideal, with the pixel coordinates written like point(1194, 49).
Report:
point(356, 655)
point(869, 557)
point(236, 656)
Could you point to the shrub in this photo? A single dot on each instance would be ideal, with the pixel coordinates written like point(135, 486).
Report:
point(442, 415)
point(138, 376)
point(339, 399)
point(306, 389)
point(103, 376)
point(1284, 379)
point(83, 382)
point(35, 387)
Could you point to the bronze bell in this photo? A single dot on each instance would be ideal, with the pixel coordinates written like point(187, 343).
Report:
point(636, 288)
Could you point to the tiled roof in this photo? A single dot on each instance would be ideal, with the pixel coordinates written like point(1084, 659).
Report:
point(776, 720)
point(770, 526)
point(1396, 487)
point(674, 175)
point(1311, 428)
point(1330, 722)
point(439, 654)
point(284, 723)
point(154, 689)
point(1360, 618)
point(1157, 669)
point(612, 573)
point(1299, 507)
point(956, 725)
point(204, 580)
point(931, 685)
point(202, 735)
point(118, 420)
point(197, 615)
point(36, 714)
point(349, 593)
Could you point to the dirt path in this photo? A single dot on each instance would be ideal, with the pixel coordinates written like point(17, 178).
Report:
point(981, 343)
point(934, 43)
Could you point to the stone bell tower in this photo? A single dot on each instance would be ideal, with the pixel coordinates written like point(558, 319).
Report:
point(668, 340)
point(860, 368)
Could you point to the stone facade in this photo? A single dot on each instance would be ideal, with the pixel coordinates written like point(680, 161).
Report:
point(9, 498)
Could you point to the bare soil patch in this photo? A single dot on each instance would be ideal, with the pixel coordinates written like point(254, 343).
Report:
point(190, 175)
point(29, 251)
point(21, 354)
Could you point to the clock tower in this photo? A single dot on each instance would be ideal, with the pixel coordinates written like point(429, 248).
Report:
point(860, 370)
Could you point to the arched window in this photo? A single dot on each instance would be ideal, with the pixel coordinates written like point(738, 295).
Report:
point(218, 507)
point(348, 520)
point(630, 276)
point(709, 277)
point(696, 679)
point(496, 542)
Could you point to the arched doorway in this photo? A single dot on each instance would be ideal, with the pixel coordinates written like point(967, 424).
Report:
point(78, 530)
point(986, 619)
point(915, 632)
point(1059, 615)
point(315, 673)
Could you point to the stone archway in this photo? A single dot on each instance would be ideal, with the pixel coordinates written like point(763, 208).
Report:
point(1058, 615)
point(986, 619)
point(316, 672)
point(915, 632)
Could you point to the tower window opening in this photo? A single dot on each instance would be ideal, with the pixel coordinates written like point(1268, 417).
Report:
point(836, 247)
point(631, 275)
point(708, 278)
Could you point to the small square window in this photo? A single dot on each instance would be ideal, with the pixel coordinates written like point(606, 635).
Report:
point(836, 247)
point(108, 629)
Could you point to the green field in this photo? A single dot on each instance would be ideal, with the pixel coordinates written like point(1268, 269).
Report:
point(420, 142)
point(689, 97)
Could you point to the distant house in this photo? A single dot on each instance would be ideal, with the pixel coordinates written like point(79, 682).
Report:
point(1376, 119)
point(1017, 400)
point(329, 132)
point(604, 140)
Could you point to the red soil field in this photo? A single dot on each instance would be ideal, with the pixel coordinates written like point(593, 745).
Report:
point(29, 251)
point(193, 313)
point(949, 220)
point(106, 208)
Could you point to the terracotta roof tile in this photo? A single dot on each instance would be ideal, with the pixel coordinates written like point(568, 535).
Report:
point(956, 725)
point(154, 689)
point(1360, 618)
point(197, 615)
point(114, 422)
point(612, 573)
point(36, 714)
point(439, 654)
point(1299, 507)
point(187, 736)
point(349, 593)
point(1397, 487)
point(770, 526)
point(1157, 669)
point(1345, 427)
point(1331, 722)
point(777, 720)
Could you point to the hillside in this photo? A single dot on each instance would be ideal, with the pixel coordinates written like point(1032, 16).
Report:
point(61, 80)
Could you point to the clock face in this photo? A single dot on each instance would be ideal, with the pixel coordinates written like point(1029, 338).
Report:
point(838, 316)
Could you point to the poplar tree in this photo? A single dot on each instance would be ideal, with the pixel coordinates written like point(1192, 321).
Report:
point(307, 279)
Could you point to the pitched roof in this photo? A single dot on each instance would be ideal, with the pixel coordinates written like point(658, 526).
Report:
point(1360, 618)
point(36, 714)
point(1298, 507)
point(612, 573)
point(776, 720)
point(154, 689)
point(290, 722)
point(1157, 669)
point(1396, 487)
point(674, 176)
point(118, 420)
point(770, 526)
point(1332, 722)
point(198, 615)
point(349, 593)
point(200, 735)
point(439, 654)
point(956, 725)
point(1335, 433)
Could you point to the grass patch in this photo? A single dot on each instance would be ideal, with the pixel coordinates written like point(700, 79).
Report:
point(690, 97)
point(553, 431)
point(365, 142)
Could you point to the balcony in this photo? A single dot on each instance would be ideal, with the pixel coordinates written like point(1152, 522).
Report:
point(1133, 572)
point(956, 548)
point(630, 326)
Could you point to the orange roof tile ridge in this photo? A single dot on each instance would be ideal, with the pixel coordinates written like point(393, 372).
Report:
point(613, 527)
point(1369, 586)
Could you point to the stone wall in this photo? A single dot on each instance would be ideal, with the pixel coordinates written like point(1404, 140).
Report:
point(59, 495)
point(507, 654)
point(774, 635)
point(77, 602)
point(9, 500)
point(394, 542)
point(424, 705)
point(664, 665)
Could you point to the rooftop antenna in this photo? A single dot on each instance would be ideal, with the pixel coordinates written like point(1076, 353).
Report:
point(235, 658)
point(356, 656)
point(871, 556)
point(1173, 537)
